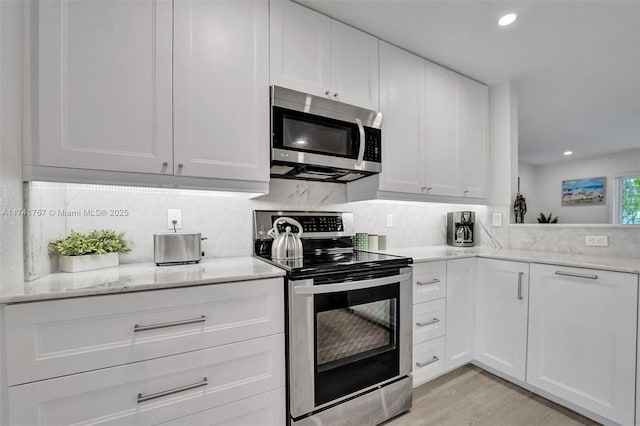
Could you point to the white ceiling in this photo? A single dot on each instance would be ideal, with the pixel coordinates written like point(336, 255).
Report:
point(576, 63)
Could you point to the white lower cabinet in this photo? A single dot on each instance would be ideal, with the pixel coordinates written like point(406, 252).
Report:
point(428, 360)
point(502, 295)
point(155, 390)
point(266, 409)
point(582, 338)
point(461, 283)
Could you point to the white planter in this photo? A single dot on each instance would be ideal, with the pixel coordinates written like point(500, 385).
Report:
point(88, 262)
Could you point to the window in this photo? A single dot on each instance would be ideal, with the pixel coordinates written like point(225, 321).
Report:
point(630, 200)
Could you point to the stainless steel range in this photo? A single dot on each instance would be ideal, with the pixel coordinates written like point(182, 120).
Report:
point(349, 330)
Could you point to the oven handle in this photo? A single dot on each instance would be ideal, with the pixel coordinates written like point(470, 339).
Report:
point(363, 141)
point(352, 285)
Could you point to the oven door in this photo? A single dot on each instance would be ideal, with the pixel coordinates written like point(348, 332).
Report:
point(347, 334)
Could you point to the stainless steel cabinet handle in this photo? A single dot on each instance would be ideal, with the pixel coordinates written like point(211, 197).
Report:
point(180, 165)
point(431, 361)
point(573, 274)
point(327, 93)
point(433, 281)
point(335, 95)
point(351, 285)
point(165, 163)
point(137, 327)
point(143, 398)
point(520, 274)
point(363, 142)
point(426, 323)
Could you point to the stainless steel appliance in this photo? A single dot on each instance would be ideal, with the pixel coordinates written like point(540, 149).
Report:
point(173, 248)
point(460, 231)
point(286, 245)
point(315, 138)
point(349, 323)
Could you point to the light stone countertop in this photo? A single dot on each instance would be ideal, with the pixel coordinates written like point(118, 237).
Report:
point(608, 263)
point(138, 277)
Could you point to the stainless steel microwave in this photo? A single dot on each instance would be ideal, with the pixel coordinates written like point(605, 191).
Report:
point(320, 139)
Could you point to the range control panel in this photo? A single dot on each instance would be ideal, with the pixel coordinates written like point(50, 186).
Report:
point(314, 224)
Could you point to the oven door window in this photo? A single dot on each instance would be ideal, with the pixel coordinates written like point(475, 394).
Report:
point(304, 132)
point(356, 337)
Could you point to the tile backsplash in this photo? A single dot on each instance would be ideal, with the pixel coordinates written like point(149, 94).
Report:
point(226, 219)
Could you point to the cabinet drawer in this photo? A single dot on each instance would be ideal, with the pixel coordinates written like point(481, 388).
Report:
point(428, 320)
point(61, 337)
point(266, 409)
point(209, 378)
point(429, 281)
point(428, 360)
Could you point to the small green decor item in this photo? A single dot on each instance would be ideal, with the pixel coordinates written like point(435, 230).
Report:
point(543, 219)
point(95, 250)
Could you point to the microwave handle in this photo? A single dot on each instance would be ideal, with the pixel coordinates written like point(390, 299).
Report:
point(362, 142)
point(350, 285)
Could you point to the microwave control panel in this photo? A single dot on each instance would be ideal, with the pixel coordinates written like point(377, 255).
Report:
point(372, 149)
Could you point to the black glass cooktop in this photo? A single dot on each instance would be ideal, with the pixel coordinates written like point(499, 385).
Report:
point(347, 261)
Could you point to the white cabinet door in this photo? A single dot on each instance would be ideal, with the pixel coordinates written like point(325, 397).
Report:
point(61, 337)
point(153, 391)
point(461, 283)
point(104, 85)
point(266, 409)
point(402, 102)
point(582, 338)
point(354, 66)
point(473, 109)
point(300, 48)
point(443, 154)
point(221, 89)
point(501, 316)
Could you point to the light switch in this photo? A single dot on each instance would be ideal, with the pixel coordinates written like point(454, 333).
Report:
point(496, 220)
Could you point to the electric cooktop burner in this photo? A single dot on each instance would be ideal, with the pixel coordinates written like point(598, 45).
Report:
point(327, 240)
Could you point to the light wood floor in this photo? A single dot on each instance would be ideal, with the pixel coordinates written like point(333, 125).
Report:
point(471, 396)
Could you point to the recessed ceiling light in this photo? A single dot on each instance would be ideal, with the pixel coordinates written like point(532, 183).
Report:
point(507, 19)
point(568, 152)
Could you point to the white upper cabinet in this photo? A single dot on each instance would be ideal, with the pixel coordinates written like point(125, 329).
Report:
point(103, 97)
point(300, 48)
point(402, 102)
point(502, 295)
point(473, 110)
point(582, 338)
point(354, 66)
point(317, 55)
point(221, 96)
point(443, 152)
point(457, 134)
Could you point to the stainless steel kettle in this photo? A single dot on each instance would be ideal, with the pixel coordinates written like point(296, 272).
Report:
point(286, 245)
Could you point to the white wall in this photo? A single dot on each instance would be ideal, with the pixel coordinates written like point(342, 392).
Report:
point(11, 141)
point(547, 186)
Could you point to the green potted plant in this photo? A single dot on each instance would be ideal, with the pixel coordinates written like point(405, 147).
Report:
point(95, 250)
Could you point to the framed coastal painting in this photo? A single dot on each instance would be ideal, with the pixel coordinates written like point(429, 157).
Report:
point(582, 192)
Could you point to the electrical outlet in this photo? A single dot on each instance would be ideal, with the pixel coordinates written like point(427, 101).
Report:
point(596, 240)
point(496, 220)
point(174, 214)
point(389, 220)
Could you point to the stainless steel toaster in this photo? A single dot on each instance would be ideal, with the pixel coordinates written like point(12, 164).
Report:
point(173, 248)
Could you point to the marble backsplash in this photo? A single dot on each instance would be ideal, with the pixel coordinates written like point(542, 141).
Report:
point(226, 219)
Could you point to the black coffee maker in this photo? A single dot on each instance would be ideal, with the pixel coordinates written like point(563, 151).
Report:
point(460, 231)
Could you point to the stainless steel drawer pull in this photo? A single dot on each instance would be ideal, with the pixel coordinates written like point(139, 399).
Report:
point(520, 275)
point(433, 281)
point(424, 324)
point(573, 274)
point(137, 327)
point(143, 398)
point(431, 361)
